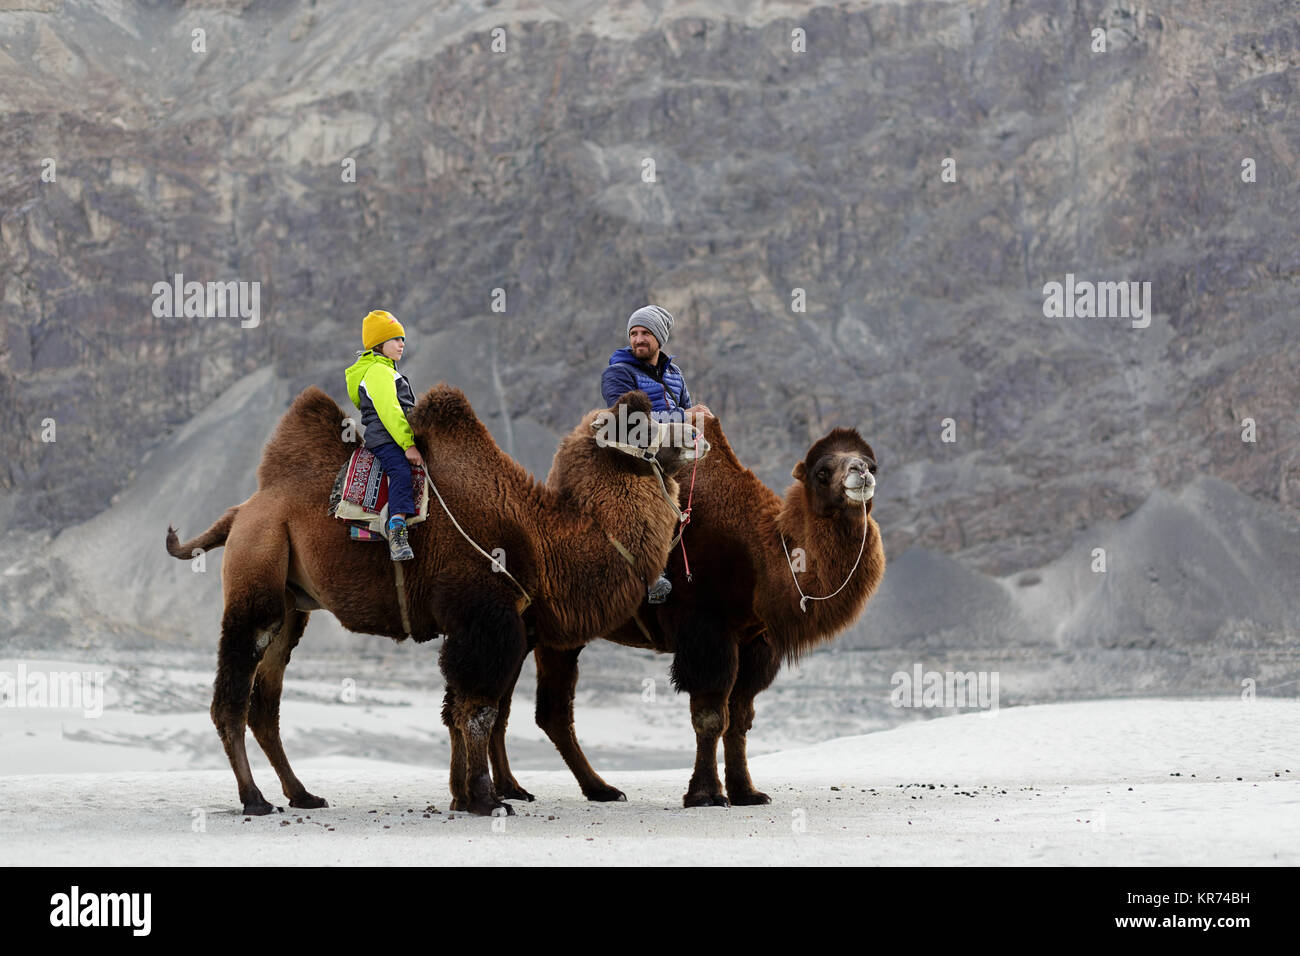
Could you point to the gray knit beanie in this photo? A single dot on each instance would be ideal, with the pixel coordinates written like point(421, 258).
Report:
point(658, 321)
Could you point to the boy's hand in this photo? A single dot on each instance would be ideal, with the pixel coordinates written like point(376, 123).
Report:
point(414, 457)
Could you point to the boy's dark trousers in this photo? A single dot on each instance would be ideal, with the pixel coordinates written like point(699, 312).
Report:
point(401, 494)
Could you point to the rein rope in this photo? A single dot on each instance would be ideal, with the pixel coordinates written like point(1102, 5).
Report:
point(685, 516)
point(805, 598)
point(648, 456)
point(663, 488)
point(496, 565)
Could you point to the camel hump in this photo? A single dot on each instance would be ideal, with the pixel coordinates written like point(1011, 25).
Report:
point(720, 447)
point(311, 413)
point(442, 408)
point(312, 410)
point(310, 433)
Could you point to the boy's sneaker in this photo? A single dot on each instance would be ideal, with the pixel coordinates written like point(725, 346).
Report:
point(659, 591)
point(399, 547)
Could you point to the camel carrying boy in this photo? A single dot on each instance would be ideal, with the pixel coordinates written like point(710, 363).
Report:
point(383, 395)
point(642, 364)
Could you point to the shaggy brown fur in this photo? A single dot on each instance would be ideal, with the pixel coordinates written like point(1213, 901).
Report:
point(285, 555)
point(733, 624)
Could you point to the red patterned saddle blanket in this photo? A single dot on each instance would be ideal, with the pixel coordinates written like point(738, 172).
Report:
point(360, 495)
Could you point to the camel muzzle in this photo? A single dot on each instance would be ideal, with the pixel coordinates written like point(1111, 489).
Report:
point(860, 484)
point(693, 451)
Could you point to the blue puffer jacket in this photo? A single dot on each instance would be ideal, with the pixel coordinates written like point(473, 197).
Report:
point(664, 384)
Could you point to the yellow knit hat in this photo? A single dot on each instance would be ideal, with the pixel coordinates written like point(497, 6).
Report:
point(378, 327)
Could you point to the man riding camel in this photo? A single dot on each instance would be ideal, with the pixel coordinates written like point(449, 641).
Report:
point(642, 364)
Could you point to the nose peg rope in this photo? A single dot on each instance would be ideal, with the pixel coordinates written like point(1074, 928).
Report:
point(805, 598)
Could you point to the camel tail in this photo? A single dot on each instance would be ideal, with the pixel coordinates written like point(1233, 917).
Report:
point(214, 537)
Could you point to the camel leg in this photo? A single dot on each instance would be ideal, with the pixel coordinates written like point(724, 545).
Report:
point(506, 784)
point(758, 667)
point(705, 667)
point(246, 624)
point(479, 659)
point(459, 783)
point(557, 682)
point(474, 717)
point(264, 709)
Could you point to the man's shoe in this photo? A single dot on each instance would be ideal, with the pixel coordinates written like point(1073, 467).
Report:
point(399, 547)
point(659, 591)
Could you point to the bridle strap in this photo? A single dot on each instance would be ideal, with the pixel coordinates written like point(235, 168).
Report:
point(648, 455)
point(636, 451)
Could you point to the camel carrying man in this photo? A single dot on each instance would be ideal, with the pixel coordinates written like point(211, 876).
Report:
point(642, 364)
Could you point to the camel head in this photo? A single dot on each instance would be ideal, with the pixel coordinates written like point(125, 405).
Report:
point(839, 472)
point(626, 428)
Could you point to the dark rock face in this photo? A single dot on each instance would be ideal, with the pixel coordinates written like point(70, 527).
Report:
point(774, 171)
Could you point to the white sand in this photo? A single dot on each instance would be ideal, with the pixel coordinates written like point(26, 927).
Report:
point(1066, 770)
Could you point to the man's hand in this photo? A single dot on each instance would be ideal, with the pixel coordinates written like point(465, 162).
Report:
point(697, 413)
point(414, 457)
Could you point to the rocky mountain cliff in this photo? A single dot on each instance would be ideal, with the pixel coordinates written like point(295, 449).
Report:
point(853, 212)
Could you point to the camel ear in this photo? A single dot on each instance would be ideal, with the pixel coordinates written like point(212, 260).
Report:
point(799, 473)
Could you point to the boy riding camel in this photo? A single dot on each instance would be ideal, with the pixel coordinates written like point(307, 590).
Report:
point(383, 395)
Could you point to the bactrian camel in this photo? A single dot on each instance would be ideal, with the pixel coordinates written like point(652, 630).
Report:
point(582, 549)
point(742, 614)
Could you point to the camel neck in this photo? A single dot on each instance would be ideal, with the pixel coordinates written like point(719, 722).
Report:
point(824, 553)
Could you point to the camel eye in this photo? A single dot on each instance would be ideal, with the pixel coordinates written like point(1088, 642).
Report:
point(823, 476)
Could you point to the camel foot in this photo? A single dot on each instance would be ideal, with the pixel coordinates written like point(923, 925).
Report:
point(705, 800)
point(484, 799)
point(512, 791)
point(308, 801)
point(605, 794)
point(257, 808)
point(487, 808)
point(751, 798)
point(458, 804)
